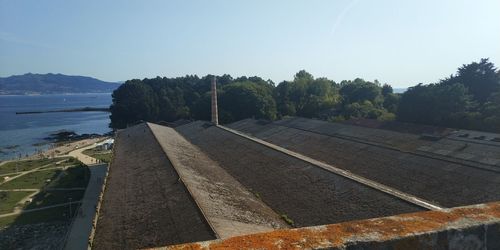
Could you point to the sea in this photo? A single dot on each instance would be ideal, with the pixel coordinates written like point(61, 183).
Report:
point(22, 134)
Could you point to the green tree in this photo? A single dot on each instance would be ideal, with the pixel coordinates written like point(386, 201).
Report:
point(387, 89)
point(391, 102)
point(242, 100)
point(435, 104)
point(491, 113)
point(360, 90)
point(305, 96)
point(133, 101)
point(480, 78)
point(284, 103)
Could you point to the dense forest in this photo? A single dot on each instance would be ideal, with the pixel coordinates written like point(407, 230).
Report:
point(470, 99)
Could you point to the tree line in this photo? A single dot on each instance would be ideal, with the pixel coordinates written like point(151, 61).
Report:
point(470, 99)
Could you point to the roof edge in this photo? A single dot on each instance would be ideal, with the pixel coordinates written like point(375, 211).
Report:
point(476, 224)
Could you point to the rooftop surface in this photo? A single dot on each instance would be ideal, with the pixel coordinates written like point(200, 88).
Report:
point(144, 203)
point(228, 206)
point(391, 158)
point(200, 182)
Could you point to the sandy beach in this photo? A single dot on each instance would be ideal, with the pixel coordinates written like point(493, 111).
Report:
point(67, 147)
point(63, 149)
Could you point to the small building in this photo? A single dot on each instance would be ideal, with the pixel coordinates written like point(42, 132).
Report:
point(105, 145)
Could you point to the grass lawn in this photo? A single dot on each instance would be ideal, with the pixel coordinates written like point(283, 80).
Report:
point(72, 177)
point(32, 180)
point(48, 198)
point(103, 155)
point(70, 161)
point(47, 215)
point(8, 200)
point(23, 165)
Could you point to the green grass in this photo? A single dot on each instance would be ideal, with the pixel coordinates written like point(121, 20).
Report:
point(103, 155)
point(32, 180)
point(9, 200)
point(72, 177)
point(5, 221)
point(48, 198)
point(68, 162)
point(26, 165)
point(47, 215)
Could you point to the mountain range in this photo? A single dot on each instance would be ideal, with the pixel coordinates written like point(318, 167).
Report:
point(29, 83)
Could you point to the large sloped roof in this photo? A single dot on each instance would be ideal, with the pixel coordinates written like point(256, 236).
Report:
point(199, 182)
point(395, 159)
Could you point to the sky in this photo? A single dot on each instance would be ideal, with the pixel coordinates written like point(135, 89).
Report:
point(402, 43)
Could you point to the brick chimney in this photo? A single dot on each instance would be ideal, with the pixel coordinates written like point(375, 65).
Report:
point(215, 116)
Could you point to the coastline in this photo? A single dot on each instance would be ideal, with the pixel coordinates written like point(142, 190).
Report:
point(59, 149)
point(29, 133)
point(84, 109)
point(65, 94)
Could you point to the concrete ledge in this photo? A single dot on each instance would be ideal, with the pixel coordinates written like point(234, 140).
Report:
point(470, 227)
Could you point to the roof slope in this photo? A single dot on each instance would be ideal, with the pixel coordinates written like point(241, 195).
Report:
point(144, 204)
point(304, 193)
point(228, 206)
point(384, 156)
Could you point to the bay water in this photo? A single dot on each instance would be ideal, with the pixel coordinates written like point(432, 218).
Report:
point(24, 133)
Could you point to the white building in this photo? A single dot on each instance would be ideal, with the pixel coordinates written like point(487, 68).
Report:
point(105, 145)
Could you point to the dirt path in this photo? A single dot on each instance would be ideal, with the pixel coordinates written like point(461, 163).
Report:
point(228, 206)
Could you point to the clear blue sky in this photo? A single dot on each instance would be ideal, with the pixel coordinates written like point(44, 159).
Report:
point(398, 42)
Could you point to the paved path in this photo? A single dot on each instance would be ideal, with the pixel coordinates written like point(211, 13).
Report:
point(30, 171)
point(20, 190)
point(82, 223)
point(4, 162)
point(38, 209)
point(87, 160)
point(35, 191)
point(37, 170)
point(226, 204)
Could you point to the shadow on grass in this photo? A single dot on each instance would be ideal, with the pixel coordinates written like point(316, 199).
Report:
point(46, 228)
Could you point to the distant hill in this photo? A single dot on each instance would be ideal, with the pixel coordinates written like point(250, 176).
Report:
point(53, 84)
